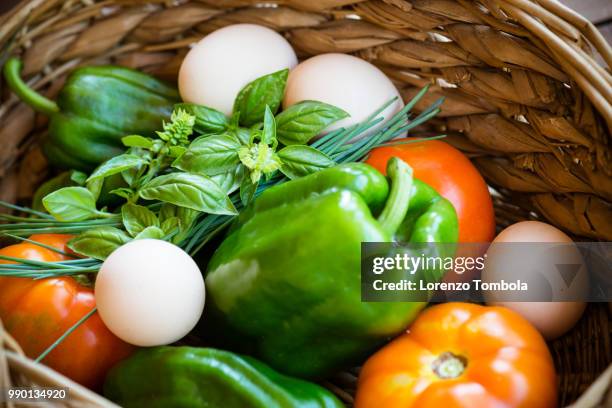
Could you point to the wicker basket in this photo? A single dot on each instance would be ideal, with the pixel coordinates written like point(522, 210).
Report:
point(525, 99)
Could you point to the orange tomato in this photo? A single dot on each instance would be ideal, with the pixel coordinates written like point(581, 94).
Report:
point(461, 355)
point(37, 312)
point(453, 176)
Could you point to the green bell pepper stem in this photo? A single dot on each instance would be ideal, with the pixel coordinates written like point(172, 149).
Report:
point(39, 103)
point(396, 207)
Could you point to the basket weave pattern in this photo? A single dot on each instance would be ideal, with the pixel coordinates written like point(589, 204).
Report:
point(525, 97)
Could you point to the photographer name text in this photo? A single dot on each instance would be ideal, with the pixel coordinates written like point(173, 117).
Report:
point(421, 285)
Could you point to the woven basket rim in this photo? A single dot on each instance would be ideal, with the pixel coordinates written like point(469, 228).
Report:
point(567, 93)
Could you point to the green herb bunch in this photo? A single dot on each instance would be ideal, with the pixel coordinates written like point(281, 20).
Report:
point(170, 180)
point(238, 152)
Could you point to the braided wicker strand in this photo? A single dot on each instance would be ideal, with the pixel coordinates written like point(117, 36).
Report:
point(525, 97)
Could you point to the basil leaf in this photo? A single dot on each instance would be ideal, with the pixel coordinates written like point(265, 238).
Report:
point(123, 192)
point(193, 191)
point(137, 141)
point(186, 216)
point(95, 186)
point(247, 190)
point(252, 99)
point(230, 181)
point(158, 144)
point(151, 232)
point(136, 218)
point(170, 225)
point(98, 243)
point(62, 180)
point(301, 122)
point(71, 204)
point(173, 217)
point(116, 165)
point(234, 119)
point(299, 161)
point(210, 155)
point(207, 120)
point(268, 135)
point(78, 177)
point(167, 211)
point(130, 176)
point(242, 134)
point(176, 151)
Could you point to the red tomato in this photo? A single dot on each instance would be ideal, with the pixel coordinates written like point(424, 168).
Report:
point(37, 312)
point(453, 176)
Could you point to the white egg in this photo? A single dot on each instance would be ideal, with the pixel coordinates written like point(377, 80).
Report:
point(149, 292)
point(223, 62)
point(345, 81)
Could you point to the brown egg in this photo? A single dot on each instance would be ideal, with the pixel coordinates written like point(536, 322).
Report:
point(528, 251)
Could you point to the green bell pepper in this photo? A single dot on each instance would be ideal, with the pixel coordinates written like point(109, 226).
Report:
point(204, 377)
point(96, 107)
point(285, 283)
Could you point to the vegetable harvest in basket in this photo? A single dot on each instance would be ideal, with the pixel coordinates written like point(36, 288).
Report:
point(281, 198)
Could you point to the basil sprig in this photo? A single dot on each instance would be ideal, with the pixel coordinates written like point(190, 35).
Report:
point(143, 170)
point(190, 175)
point(255, 148)
point(237, 161)
point(238, 152)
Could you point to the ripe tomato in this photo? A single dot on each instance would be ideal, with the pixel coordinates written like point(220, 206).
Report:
point(453, 176)
point(461, 355)
point(37, 312)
